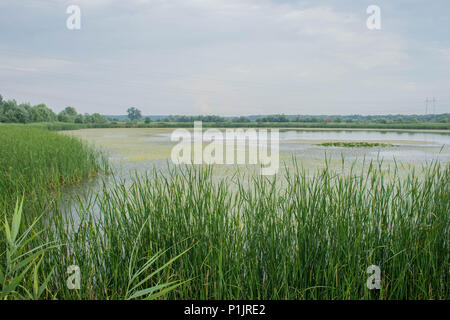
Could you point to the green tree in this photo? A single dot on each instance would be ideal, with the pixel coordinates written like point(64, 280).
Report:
point(41, 113)
point(98, 118)
point(8, 111)
point(23, 113)
point(88, 118)
point(63, 117)
point(443, 119)
point(79, 119)
point(241, 119)
point(71, 111)
point(67, 115)
point(134, 114)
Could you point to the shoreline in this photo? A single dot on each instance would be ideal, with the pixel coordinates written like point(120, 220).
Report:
point(439, 131)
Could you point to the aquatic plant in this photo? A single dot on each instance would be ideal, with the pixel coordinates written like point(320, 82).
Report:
point(357, 144)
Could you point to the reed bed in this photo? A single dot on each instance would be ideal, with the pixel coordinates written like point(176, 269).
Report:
point(34, 162)
point(245, 237)
point(183, 233)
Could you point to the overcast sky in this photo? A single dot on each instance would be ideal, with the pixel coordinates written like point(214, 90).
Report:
point(227, 57)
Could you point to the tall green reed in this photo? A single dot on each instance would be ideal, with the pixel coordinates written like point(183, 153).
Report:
point(185, 234)
point(300, 235)
point(35, 161)
point(34, 166)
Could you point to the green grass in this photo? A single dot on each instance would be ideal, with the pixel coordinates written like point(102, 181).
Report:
point(35, 165)
point(184, 234)
point(357, 144)
point(34, 161)
point(313, 238)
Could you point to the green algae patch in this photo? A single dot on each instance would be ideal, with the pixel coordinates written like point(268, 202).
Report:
point(357, 144)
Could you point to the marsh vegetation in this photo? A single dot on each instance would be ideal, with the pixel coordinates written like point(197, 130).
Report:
point(183, 233)
point(357, 144)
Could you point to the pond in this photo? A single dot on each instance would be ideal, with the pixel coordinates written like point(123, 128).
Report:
point(142, 149)
point(133, 150)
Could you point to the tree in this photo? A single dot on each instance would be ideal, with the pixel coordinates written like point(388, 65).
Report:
point(63, 116)
point(7, 111)
point(443, 119)
point(41, 113)
point(134, 114)
point(68, 115)
point(71, 111)
point(88, 118)
point(241, 119)
point(79, 119)
point(147, 120)
point(98, 118)
point(274, 118)
point(23, 113)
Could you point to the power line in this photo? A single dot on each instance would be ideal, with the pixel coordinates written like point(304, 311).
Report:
point(431, 104)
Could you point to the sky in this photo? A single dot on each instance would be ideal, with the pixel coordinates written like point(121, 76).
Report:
point(227, 57)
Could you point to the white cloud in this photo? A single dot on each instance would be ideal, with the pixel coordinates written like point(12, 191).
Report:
point(215, 56)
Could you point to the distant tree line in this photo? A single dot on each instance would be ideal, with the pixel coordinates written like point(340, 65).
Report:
point(209, 118)
point(12, 112)
point(384, 119)
point(70, 114)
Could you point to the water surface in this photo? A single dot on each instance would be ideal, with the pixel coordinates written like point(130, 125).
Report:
point(140, 150)
point(144, 148)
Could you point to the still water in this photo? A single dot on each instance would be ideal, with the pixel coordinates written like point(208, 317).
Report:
point(134, 151)
point(142, 149)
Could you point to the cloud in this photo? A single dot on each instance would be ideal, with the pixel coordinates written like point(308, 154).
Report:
point(212, 56)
